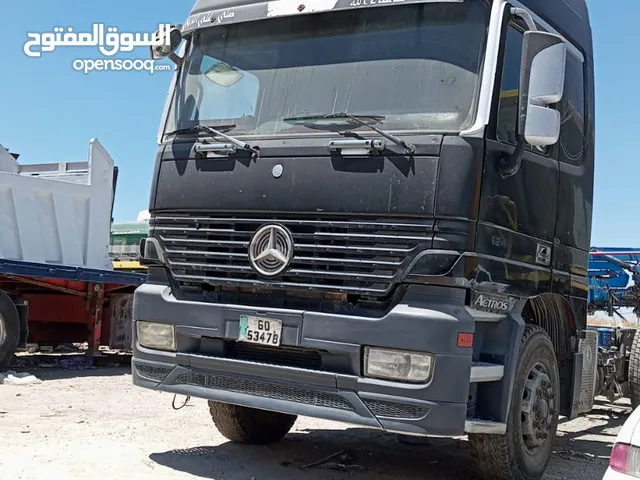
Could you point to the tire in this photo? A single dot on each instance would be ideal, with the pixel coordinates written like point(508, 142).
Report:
point(9, 330)
point(250, 425)
point(514, 455)
point(634, 372)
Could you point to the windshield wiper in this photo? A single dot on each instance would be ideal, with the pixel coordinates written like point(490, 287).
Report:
point(217, 133)
point(192, 129)
point(358, 119)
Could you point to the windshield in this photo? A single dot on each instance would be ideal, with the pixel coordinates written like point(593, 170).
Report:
point(416, 66)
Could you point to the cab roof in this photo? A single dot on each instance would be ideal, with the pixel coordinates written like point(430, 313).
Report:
point(569, 17)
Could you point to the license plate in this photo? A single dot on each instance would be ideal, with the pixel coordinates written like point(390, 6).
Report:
point(265, 331)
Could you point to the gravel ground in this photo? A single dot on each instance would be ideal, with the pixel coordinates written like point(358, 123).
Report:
point(94, 424)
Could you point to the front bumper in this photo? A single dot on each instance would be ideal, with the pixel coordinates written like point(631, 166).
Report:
point(427, 319)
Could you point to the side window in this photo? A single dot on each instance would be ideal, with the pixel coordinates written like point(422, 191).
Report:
point(508, 103)
point(572, 138)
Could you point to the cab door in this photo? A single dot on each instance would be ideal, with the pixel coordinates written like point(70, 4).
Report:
point(517, 214)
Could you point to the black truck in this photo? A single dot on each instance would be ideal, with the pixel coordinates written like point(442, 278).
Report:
point(389, 228)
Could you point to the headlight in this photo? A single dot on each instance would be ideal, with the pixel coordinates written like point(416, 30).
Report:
point(159, 336)
point(397, 365)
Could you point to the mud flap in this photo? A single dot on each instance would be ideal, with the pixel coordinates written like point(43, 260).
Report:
point(585, 364)
point(22, 306)
point(121, 333)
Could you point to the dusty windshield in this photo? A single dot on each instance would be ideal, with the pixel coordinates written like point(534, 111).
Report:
point(415, 66)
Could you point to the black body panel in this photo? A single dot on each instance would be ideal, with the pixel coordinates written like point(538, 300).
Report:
point(310, 184)
point(541, 216)
point(357, 222)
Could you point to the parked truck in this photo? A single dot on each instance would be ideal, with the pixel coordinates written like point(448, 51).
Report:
point(376, 212)
point(124, 245)
point(57, 282)
point(614, 293)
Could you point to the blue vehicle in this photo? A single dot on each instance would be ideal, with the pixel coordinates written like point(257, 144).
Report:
point(614, 285)
point(614, 279)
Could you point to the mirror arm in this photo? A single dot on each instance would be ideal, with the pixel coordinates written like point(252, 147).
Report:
point(526, 16)
point(175, 59)
point(510, 165)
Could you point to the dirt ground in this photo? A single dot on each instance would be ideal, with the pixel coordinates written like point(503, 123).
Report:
point(95, 424)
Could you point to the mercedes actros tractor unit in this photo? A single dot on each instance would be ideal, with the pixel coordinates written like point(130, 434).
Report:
point(376, 212)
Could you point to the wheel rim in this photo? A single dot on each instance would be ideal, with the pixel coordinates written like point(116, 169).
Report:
point(537, 408)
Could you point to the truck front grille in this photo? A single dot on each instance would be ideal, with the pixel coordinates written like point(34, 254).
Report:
point(353, 257)
point(265, 390)
point(151, 372)
point(284, 356)
point(382, 408)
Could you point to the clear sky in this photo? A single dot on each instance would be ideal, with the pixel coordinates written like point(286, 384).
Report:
point(48, 111)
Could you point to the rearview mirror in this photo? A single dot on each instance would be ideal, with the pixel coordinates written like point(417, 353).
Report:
point(541, 85)
point(165, 42)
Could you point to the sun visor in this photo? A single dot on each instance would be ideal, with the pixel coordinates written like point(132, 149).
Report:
point(209, 13)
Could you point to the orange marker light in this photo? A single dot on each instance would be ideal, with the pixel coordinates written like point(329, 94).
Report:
point(465, 340)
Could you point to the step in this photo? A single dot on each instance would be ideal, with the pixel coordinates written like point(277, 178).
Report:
point(486, 372)
point(476, 425)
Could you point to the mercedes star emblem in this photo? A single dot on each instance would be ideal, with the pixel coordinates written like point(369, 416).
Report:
point(271, 250)
point(277, 171)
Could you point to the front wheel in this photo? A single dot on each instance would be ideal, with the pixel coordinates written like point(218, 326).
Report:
point(524, 451)
point(250, 425)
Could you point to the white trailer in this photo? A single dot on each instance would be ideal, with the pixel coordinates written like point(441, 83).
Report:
point(57, 213)
point(55, 221)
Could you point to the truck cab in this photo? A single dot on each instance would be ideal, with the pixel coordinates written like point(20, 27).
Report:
point(376, 212)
